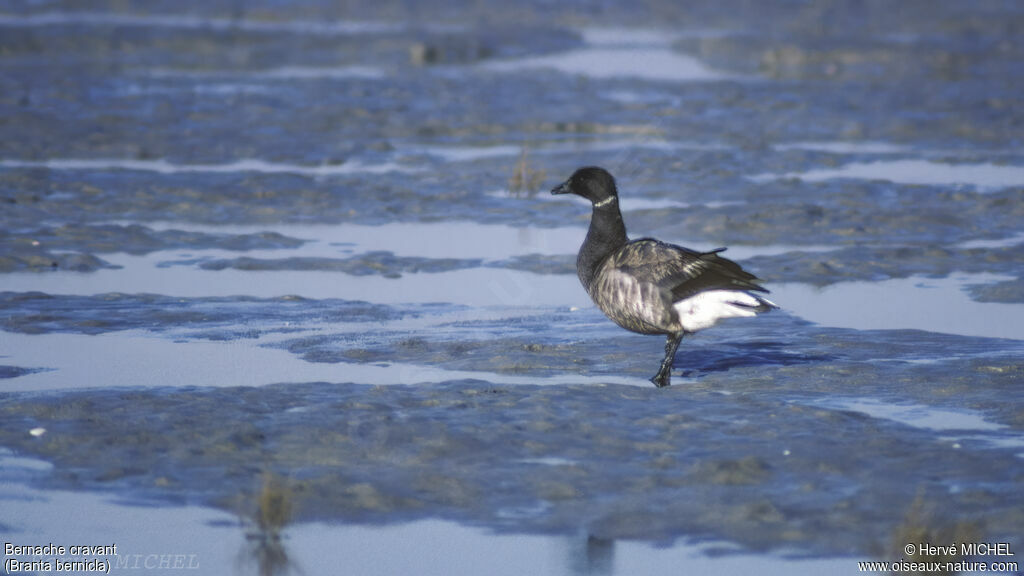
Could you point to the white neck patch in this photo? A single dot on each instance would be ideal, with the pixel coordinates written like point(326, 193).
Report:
point(604, 202)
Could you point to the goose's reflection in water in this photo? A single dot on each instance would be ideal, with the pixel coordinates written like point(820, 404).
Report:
point(591, 556)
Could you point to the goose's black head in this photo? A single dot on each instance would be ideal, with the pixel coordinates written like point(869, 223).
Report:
point(593, 183)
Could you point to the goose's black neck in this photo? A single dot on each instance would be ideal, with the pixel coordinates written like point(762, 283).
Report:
point(607, 234)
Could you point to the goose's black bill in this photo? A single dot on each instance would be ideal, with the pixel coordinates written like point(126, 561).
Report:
point(562, 188)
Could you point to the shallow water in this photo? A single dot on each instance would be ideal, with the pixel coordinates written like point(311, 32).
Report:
point(315, 244)
point(614, 53)
point(919, 303)
point(921, 172)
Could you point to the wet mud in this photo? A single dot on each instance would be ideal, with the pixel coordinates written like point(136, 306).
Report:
point(48, 249)
point(615, 459)
point(39, 313)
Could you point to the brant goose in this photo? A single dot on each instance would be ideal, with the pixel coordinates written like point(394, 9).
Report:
point(651, 287)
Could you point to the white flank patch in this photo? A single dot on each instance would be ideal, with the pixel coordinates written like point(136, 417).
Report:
point(705, 309)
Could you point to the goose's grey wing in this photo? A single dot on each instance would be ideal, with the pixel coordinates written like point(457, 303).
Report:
point(681, 271)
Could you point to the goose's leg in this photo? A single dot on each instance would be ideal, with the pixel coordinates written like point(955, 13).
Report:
point(661, 379)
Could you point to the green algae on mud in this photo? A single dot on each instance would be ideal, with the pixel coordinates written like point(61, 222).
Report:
point(1006, 291)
